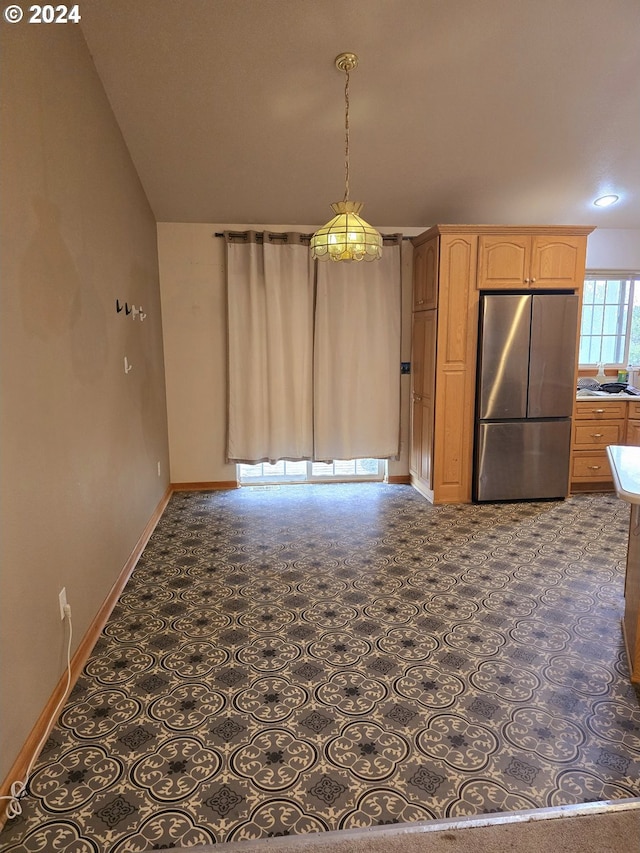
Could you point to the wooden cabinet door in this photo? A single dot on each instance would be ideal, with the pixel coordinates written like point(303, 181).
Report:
point(503, 262)
point(426, 444)
point(415, 445)
point(555, 262)
point(425, 276)
point(417, 353)
point(633, 433)
point(540, 263)
point(427, 397)
point(417, 374)
point(429, 355)
point(456, 369)
point(632, 596)
point(419, 276)
point(423, 386)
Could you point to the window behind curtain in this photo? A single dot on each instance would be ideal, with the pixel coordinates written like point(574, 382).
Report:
point(610, 328)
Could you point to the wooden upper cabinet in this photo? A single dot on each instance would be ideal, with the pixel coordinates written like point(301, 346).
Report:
point(503, 262)
point(425, 276)
point(536, 262)
point(557, 262)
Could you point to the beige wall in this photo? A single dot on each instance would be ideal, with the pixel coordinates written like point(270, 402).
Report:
point(80, 440)
point(192, 283)
point(614, 249)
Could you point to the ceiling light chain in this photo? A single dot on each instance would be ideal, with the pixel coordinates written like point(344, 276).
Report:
point(346, 237)
point(346, 136)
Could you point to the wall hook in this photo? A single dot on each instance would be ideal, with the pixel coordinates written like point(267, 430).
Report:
point(127, 367)
point(118, 306)
point(127, 310)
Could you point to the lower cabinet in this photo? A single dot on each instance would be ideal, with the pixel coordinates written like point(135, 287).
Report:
point(596, 425)
point(633, 424)
point(631, 620)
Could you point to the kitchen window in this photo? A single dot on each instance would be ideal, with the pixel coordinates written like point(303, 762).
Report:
point(610, 327)
point(341, 470)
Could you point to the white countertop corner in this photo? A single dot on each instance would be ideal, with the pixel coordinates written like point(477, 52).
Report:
point(625, 467)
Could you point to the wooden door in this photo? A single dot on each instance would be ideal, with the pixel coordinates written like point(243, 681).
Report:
point(423, 386)
point(503, 262)
point(417, 373)
point(555, 262)
point(456, 369)
point(633, 433)
point(425, 276)
point(419, 276)
point(415, 444)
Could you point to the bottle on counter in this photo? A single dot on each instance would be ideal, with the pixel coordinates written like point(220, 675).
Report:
point(623, 375)
point(601, 376)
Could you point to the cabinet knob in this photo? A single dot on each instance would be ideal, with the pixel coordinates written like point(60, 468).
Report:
point(598, 411)
point(597, 434)
point(420, 301)
point(526, 281)
point(533, 281)
point(594, 467)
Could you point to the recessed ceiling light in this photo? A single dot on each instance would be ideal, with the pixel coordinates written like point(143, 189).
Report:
point(606, 200)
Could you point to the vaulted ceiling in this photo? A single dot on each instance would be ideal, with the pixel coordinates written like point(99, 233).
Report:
point(461, 111)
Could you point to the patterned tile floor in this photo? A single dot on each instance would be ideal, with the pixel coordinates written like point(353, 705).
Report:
point(307, 658)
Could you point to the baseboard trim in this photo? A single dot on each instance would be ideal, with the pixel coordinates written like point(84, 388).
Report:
point(204, 487)
point(399, 480)
point(44, 724)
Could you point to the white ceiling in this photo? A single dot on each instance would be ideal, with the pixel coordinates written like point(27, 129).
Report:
point(462, 111)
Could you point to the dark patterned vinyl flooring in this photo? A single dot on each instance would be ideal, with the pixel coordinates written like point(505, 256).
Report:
point(310, 658)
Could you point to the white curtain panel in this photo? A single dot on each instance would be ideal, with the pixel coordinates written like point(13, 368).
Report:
point(270, 331)
point(357, 358)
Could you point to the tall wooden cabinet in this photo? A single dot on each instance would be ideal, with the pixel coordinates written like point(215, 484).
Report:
point(452, 265)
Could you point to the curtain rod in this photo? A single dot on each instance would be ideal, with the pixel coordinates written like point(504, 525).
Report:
point(388, 236)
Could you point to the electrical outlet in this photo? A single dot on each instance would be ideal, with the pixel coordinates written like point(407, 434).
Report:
point(62, 600)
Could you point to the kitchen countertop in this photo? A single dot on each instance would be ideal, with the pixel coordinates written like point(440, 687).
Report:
point(625, 467)
point(602, 395)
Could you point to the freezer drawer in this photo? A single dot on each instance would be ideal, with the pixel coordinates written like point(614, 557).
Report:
point(517, 460)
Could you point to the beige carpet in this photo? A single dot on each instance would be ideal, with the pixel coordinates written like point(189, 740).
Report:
point(593, 828)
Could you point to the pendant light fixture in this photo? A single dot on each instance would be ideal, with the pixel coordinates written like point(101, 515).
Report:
point(346, 237)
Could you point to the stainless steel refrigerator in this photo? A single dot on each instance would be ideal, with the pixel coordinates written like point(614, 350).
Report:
point(525, 393)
